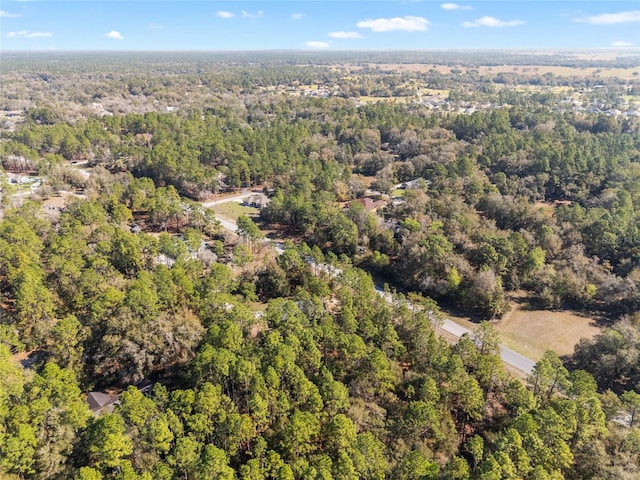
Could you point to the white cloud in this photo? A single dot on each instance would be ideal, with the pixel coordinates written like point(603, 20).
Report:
point(620, 43)
point(297, 16)
point(314, 44)
point(154, 26)
point(28, 34)
point(408, 24)
point(223, 14)
point(612, 18)
point(115, 35)
point(38, 34)
point(258, 14)
point(492, 22)
point(345, 35)
point(455, 6)
point(9, 15)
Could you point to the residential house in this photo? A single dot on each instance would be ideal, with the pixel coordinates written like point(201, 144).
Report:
point(101, 402)
point(257, 201)
point(369, 204)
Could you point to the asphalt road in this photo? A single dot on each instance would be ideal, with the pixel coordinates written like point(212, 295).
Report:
point(235, 198)
point(232, 227)
point(509, 357)
point(227, 224)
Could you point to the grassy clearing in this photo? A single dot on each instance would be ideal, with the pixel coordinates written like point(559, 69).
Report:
point(258, 306)
point(366, 180)
point(540, 89)
point(546, 208)
point(371, 99)
point(527, 70)
point(232, 210)
point(433, 92)
point(531, 332)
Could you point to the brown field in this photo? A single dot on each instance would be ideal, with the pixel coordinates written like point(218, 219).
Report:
point(371, 99)
point(596, 54)
point(546, 208)
point(540, 89)
point(531, 332)
point(549, 207)
point(529, 70)
point(366, 180)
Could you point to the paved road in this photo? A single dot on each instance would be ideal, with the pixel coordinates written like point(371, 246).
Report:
point(509, 357)
point(239, 198)
point(231, 226)
point(235, 198)
point(516, 360)
point(454, 329)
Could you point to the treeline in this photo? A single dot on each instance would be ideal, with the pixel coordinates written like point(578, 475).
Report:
point(85, 85)
point(193, 62)
point(331, 381)
point(511, 199)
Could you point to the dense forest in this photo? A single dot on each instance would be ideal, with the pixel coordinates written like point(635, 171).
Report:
point(476, 227)
point(329, 378)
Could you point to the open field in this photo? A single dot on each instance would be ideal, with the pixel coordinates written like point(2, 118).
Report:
point(232, 210)
point(528, 70)
point(540, 89)
point(433, 91)
point(534, 331)
point(366, 180)
point(548, 208)
point(372, 99)
point(531, 332)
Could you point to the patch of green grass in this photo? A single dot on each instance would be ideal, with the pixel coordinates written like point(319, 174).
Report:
point(398, 192)
point(258, 306)
point(232, 210)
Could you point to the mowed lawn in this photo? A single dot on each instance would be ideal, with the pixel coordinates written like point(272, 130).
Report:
point(531, 332)
point(232, 210)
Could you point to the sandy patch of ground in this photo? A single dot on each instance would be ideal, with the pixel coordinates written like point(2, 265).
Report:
point(532, 332)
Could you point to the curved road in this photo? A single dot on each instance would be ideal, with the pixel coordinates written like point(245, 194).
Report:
point(508, 356)
point(239, 198)
point(234, 198)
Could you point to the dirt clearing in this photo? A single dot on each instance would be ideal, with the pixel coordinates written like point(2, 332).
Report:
point(531, 332)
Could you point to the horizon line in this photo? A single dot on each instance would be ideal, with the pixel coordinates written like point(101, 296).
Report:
point(324, 50)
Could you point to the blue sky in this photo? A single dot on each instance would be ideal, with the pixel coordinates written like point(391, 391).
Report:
point(316, 25)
